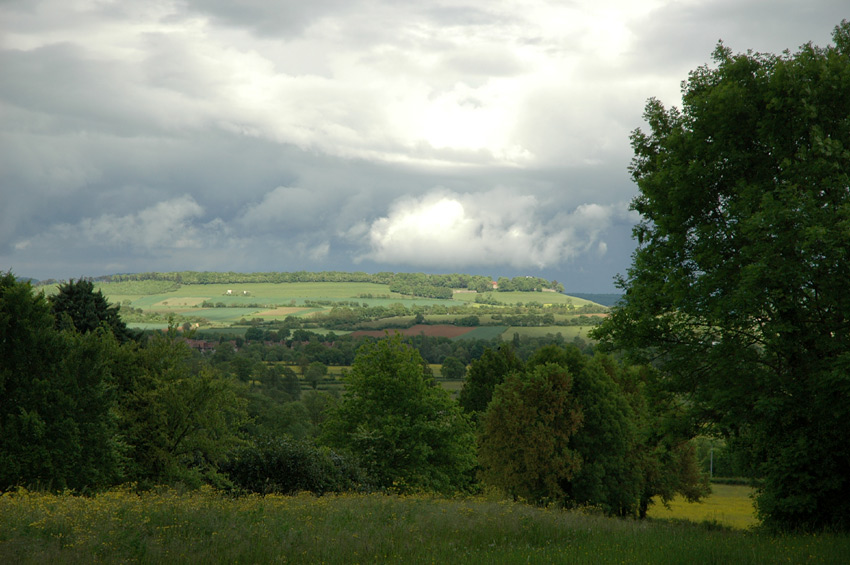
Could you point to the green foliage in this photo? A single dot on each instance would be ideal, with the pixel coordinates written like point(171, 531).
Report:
point(610, 475)
point(738, 287)
point(283, 465)
point(270, 416)
point(315, 372)
point(409, 434)
point(77, 306)
point(452, 368)
point(57, 429)
point(179, 418)
point(318, 405)
point(524, 443)
point(583, 431)
point(483, 376)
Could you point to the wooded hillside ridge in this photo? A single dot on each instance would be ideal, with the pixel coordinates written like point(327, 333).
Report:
point(480, 283)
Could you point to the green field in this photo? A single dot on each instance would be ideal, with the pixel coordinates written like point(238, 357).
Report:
point(167, 526)
point(525, 298)
point(276, 301)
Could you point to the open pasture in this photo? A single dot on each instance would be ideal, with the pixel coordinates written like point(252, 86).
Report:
point(270, 295)
point(512, 297)
point(424, 329)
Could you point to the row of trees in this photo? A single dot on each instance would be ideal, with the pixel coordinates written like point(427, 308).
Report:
point(86, 406)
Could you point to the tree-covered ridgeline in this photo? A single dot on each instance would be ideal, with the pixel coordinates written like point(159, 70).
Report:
point(416, 284)
point(738, 288)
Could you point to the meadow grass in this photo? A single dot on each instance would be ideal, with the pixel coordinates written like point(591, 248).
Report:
point(207, 527)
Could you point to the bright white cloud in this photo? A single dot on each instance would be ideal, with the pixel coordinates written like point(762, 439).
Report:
point(490, 228)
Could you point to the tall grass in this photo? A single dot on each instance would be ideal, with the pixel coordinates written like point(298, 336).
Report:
point(206, 527)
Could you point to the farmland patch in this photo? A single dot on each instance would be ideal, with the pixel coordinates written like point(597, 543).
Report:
point(223, 314)
point(443, 330)
point(483, 332)
point(179, 301)
point(568, 332)
point(281, 311)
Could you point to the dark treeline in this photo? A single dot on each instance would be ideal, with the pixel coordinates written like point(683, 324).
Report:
point(86, 405)
point(300, 345)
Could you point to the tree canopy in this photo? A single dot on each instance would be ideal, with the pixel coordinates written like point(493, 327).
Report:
point(582, 431)
point(409, 434)
point(78, 306)
point(737, 291)
point(57, 429)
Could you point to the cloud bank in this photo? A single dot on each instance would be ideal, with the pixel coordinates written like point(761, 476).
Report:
point(497, 227)
point(213, 135)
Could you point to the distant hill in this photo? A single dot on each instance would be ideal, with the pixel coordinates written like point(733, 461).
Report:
point(603, 299)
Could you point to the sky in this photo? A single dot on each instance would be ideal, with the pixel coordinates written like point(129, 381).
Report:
point(482, 137)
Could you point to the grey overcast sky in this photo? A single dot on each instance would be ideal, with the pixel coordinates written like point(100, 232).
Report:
point(485, 137)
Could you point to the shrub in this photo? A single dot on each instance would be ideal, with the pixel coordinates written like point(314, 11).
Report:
point(284, 465)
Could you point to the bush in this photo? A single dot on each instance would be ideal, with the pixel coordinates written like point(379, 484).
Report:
point(285, 465)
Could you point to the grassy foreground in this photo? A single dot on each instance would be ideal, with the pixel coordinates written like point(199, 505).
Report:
point(206, 527)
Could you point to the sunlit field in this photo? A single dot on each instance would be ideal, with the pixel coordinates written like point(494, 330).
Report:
point(729, 505)
point(207, 527)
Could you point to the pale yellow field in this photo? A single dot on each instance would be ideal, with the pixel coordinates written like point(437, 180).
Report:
point(730, 505)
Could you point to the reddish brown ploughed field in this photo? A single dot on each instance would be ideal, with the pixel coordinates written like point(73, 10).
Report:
point(442, 330)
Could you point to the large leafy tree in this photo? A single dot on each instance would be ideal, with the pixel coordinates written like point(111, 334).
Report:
point(564, 431)
point(179, 418)
point(738, 287)
point(77, 306)
point(57, 426)
point(525, 434)
point(484, 374)
point(409, 434)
